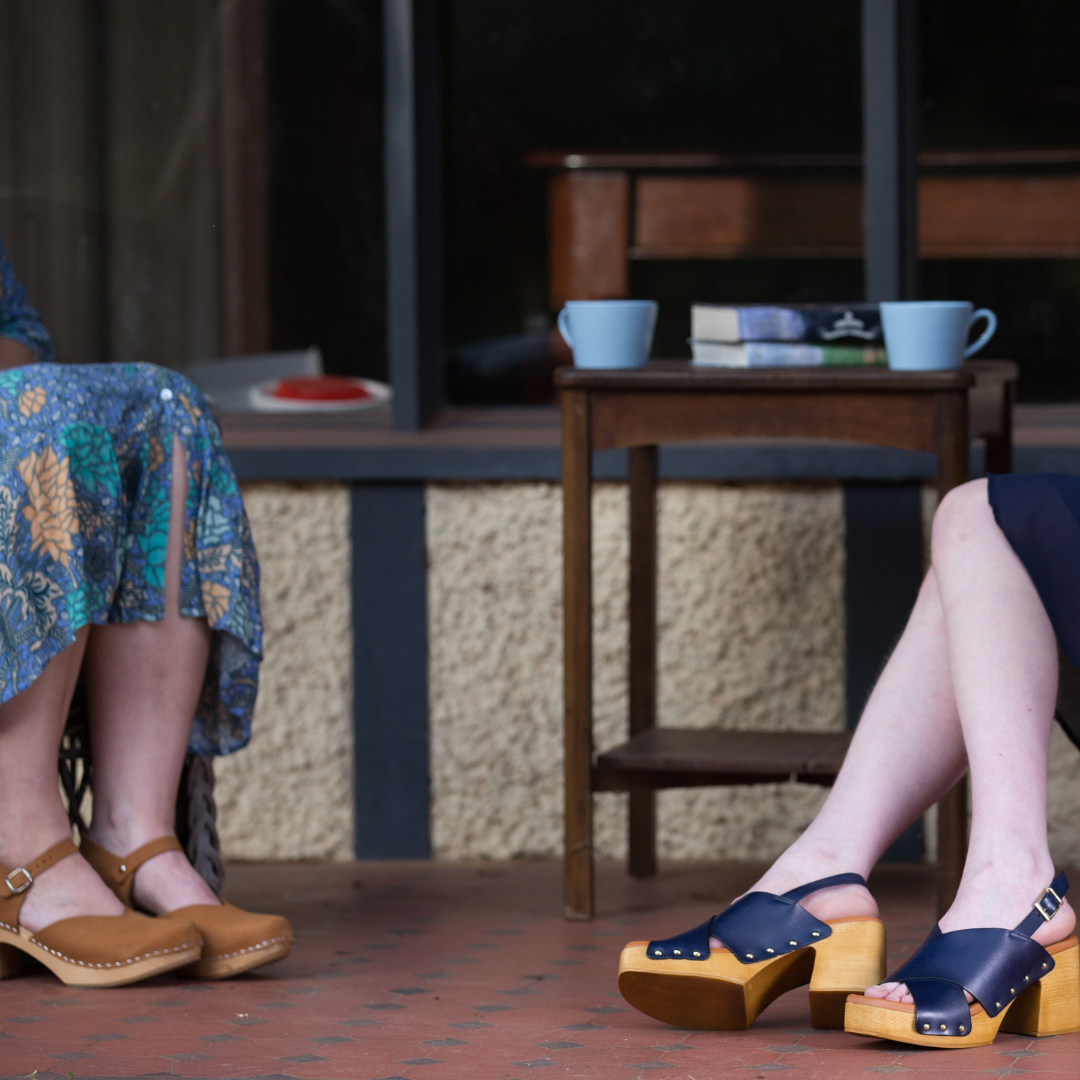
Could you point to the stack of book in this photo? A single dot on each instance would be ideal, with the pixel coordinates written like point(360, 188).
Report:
point(786, 335)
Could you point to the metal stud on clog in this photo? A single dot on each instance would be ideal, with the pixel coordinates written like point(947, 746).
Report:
point(677, 952)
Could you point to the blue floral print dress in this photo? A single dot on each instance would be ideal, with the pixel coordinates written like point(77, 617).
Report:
point(85, 477)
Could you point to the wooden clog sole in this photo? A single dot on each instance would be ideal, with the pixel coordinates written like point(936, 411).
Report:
point(722, 994)
point(75, 973)
point(1050, 1007)
point(223, 967)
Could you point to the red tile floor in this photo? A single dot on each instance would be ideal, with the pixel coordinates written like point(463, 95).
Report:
point(432, 971)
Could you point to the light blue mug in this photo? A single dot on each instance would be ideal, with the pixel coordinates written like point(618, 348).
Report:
point(609, 333)
point(930, 335)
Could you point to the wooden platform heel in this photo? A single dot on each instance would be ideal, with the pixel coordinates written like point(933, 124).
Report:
point(89, 950)
point(772, 945)
point(1018, 986)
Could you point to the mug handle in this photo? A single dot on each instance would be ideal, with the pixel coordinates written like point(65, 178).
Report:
point(563, 322)
point(987, 334)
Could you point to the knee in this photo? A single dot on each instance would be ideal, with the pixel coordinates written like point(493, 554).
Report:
point(962, 513)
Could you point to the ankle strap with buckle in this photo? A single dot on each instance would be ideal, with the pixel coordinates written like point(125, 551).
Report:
point(17, 880)
point(1046, 906)
point(118, 871)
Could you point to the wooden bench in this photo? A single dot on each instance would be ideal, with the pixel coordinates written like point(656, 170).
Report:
point(606, 210)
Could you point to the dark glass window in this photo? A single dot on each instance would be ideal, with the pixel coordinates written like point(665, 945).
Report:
point(737, 78)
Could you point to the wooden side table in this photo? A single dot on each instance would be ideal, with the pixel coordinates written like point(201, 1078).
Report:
point(673, 402)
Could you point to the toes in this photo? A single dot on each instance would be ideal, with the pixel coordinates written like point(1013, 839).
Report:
point(714, 943)
point(899, 993)
point(881, 990)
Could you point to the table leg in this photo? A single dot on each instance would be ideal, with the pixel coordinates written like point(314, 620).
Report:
point(999, 445)
point(577, 658)
point(642, 646)
point(952, 453)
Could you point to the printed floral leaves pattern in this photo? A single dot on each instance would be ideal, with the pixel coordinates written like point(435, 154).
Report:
point(50, 506)
point(85, 475)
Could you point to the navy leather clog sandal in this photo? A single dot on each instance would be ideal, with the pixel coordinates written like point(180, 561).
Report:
point(771, 944)
point(1018, 986)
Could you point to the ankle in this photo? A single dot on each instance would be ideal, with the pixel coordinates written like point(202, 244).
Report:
point(27, 843)
point(123, 836)
point(168, 882)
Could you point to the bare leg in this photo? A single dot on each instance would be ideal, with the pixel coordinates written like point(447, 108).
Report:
point(32, 816)
point(888, 779)
point(1003, 660)
point(143, 680)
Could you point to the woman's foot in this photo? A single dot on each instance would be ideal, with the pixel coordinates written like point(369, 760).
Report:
point(164, 883)
point(836, 902)
point(994, 898)
point(65, 890)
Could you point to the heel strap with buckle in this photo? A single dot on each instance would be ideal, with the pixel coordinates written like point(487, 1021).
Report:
point(118, 871)
point(14, 881)
point(1046, 907)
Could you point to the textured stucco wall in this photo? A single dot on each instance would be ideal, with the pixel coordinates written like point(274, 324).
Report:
point(288, 794)
point(751, 636)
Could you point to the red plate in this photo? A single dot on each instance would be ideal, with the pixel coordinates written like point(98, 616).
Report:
point(320, 388)
point(318, 393)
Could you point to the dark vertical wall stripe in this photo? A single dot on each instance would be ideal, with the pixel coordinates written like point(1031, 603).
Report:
point(390, 695)
point(884, 570)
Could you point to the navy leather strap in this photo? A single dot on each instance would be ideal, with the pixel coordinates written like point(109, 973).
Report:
point(994, 965)
point(759, 926)
point(823, 883)
point(1046, 907)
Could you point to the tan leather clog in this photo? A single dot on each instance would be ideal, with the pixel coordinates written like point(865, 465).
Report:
point(90, 950)
point(233, 940)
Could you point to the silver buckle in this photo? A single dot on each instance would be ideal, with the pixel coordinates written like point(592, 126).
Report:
point(21, 888)
point(1038, 903)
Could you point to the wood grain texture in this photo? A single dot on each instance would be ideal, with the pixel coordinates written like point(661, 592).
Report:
point(642, 619)
point(762, 756)
point(732, 216)
point(589, 228)
point(999, 217)
point(905, 420)
point(672, 402)
point(577, 659)
point(682, 375)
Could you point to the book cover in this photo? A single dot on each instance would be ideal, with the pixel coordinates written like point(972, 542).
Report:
point(820, 323)
point(765, 354)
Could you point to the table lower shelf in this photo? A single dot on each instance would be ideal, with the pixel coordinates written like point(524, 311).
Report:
point(695, 757)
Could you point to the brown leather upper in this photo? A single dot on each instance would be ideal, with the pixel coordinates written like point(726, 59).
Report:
point(226, 930)
point(99, 941)
point(118, 872)
point(113, 940)
point(16, 880)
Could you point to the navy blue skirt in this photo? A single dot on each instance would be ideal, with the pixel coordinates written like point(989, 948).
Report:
point(1039, 513)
